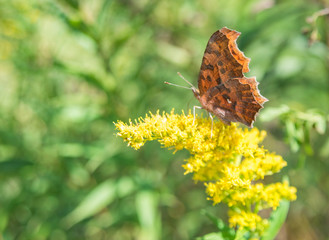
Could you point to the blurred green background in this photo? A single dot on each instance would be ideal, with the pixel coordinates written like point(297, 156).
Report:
point(69, 69)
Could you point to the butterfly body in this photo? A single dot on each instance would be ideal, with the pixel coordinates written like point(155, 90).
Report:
point(209, 103)
point(223, 88)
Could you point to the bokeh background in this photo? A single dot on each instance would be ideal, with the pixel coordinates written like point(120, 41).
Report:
point(69, 69)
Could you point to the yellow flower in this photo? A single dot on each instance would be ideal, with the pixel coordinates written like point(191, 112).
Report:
point(273, 194)
point(247, 220)
point(228, 159)
point(265, 196)
point(259, 166)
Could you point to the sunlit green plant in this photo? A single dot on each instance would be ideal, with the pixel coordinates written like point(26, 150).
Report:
point(230, 162)
point(298, 125)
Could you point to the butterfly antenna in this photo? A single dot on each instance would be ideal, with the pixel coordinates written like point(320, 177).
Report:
point(191, 88)
point(179, 74)
point(172, 84)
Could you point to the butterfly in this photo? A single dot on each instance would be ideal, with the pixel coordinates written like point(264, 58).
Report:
point(223, 89)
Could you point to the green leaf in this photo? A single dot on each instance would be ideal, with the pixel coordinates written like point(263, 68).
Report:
point(225, 231)
point(291, 133)
point(217, 221)
point(324, 152)
point(147, 203)
point(212, 236)
point(321, 124)
point(276, 220)
point(95, 201)
point(14, 165)
point(241, 234)
point(269, 114)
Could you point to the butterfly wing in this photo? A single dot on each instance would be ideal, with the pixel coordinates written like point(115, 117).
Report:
point(223, 88)
point(222, 60)
point(233, 102)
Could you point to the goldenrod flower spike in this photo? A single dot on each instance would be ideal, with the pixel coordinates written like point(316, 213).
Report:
point(228, 159)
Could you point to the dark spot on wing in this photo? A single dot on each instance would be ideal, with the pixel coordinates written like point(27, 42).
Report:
point(221, 87)
point(207, 67)
point(226, 96)
point(232, 74)
point(208, 49)
point(233, 105)
point(218, 54)
point(220, 63)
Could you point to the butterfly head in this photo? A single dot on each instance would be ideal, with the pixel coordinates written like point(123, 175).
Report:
point(196, 92)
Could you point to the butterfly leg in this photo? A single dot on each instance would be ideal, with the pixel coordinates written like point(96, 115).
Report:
point(212, 124)
point(194, 107)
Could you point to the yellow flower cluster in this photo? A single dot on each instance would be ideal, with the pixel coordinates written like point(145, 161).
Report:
point(247, 220)
point(228, 159)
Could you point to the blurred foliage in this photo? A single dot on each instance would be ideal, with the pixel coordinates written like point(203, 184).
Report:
point(299, 125)
point(70, 68)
